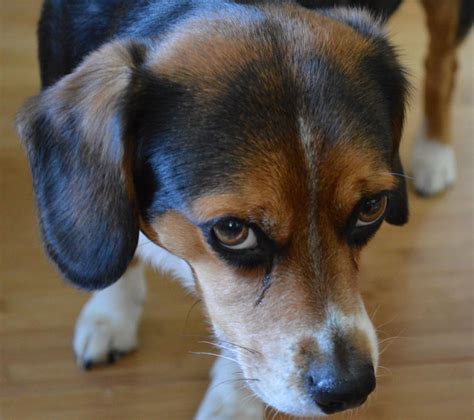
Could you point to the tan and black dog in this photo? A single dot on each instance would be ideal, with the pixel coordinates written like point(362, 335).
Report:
point(252, 147)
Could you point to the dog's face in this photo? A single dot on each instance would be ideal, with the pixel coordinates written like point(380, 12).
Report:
point(260, 146)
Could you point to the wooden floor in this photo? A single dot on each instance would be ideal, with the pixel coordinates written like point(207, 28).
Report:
point(417, 281)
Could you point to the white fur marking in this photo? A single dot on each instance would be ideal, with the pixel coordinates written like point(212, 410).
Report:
point(337, 320)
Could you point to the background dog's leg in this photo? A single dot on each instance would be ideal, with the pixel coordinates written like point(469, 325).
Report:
point(108, 323)
point(228, 397)
point(433, 162)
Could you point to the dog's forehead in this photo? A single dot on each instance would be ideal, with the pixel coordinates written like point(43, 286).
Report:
point(261, 90)
point(262, 69)
point(218, 42)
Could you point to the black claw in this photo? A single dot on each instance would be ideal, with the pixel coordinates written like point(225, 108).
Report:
point(112, 357)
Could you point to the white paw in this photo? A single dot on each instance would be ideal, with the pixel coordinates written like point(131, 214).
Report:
point(108, 324)
point(433, 166)
point(102, 339)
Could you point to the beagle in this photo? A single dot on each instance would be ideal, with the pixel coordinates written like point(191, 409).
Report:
point(251, 147)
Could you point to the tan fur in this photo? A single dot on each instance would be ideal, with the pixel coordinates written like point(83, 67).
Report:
point(333, 39)
point(441, 65)
point(176, 234)
point(201, 53)
point(347, 174)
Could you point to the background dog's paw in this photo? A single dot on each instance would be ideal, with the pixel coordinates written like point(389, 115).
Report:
point(103, 334)
point(433, 167)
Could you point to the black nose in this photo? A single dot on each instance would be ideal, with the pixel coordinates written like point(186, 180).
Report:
point(335, 391)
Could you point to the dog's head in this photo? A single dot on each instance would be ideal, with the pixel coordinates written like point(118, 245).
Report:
point(261, 146)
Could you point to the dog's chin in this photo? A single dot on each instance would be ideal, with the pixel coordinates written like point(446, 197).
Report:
point(297, 407)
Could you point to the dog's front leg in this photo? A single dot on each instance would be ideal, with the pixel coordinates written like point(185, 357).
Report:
point(108, 323)
point(228, 397)
point(433, 161)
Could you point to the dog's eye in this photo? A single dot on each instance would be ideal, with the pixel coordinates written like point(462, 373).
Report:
point(371, 210)
point(241, 244)
point(233, 234)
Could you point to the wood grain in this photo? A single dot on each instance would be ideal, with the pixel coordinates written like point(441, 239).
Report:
point(417, 280)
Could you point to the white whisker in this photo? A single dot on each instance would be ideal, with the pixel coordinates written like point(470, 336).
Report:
point(244, 380)
point(386, 323)
point(204, 353)
point(374, 313)
point(400, 175)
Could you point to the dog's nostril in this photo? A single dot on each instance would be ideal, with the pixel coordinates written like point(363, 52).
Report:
point(333, 406)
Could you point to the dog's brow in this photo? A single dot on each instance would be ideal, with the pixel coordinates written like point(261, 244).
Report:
point(212, 207)
point(216, 206)
point(349, 195)
point(379, 182)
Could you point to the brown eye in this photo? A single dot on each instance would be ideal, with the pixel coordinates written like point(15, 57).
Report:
point(371, 210)
point(234, 234)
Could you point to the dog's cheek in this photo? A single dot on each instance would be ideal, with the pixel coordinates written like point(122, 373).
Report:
point(222, 290)
point(176, 234)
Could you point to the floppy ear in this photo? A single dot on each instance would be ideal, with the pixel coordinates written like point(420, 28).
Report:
point(75, 136)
